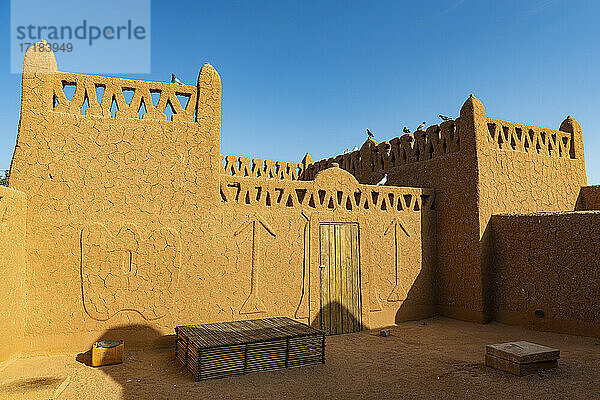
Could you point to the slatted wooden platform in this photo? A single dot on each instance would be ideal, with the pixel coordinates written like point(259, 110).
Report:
point(225, 349)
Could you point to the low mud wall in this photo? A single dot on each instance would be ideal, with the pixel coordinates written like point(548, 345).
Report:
point(545, 271)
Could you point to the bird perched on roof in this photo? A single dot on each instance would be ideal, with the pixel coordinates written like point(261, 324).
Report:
point(421, 126)
point(175, 80)
point(444, 118)
point(346, 151)
point(355, 148)
point(405, 130)
point(383, 181)
point(369, 133)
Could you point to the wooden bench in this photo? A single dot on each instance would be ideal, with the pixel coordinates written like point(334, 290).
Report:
point(223, 349)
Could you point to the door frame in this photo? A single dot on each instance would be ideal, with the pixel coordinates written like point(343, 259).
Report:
point(327, 217)
point(357, 271)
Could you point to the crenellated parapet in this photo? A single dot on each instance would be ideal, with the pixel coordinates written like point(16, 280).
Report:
point(438, 141)
point(259, 168)
point(504, 135)
point(122, 98)
point(424, 145)
point(46, 89)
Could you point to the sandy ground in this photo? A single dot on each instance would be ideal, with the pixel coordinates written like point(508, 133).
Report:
point(435, 358)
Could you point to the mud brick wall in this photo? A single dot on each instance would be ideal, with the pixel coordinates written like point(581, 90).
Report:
point(524, 169)
point(288, 214)
point(133, 225)
point(548, 262)
point(13, 223)
point(589, 198)
point(479, 166)
point(125, 220)
point(443, 157)
point(114, 198)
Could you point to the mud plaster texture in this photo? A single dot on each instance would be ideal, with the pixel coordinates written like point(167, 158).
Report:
point(478, 166)
point(126, 217)
point(13, 223)
point(133, 222)
point(558, 275)
point(589, 198)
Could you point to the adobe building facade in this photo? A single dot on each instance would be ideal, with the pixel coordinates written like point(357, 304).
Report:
point(118, 218)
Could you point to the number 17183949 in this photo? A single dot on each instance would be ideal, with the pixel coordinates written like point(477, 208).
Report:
point(46, 46)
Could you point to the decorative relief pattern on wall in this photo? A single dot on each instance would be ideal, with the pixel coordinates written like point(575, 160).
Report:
point(303, 310)
point(434, 142)
point(127, 273)
point(123, 98)
point(257, 168)
point(398, 293)
point(302, 194)
point(530, 139)
point(253, 303)
point(373, 290)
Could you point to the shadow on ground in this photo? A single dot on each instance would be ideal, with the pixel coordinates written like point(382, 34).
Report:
point(30, 384)
point(136, 370)
point(335, 318)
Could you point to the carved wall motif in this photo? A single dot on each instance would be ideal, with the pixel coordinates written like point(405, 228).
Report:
point(128, 273)
point(399, 292)
point(302, 194)
point(253, 303)
point(374, 303)
point(303, 309)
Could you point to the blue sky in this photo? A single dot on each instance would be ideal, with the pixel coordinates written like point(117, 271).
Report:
point(312, 76)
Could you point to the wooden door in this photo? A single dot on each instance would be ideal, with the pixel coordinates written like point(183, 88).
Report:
point(339, 278)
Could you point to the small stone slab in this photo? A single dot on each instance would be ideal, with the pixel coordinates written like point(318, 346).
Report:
point(522, 352)
point(516, 368)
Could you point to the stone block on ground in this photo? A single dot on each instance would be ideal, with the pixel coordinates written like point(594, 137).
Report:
point(521, 358)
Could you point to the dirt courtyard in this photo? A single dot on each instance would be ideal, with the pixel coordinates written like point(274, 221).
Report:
point(435, 358)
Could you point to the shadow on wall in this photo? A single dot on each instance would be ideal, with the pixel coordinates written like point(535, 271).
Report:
point(138, 369)
point(488, 274)
point(335, 318)
point(422, 297)
point(588, 198)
